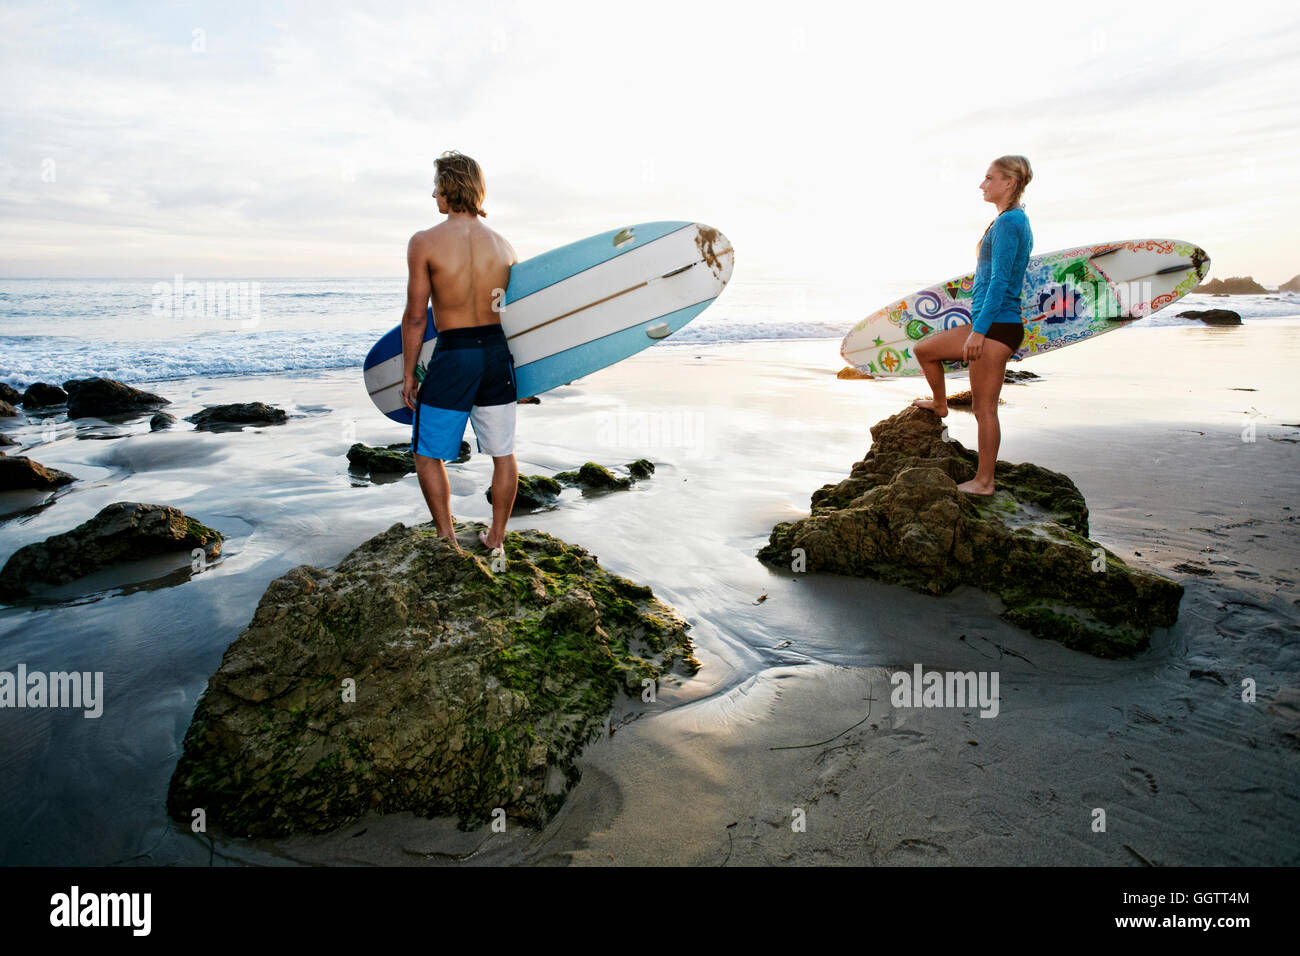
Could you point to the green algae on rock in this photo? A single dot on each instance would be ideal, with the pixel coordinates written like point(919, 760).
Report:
point(473, 686)
point(596, 477)
point(593, 477)
point(538, 491)
point(899, 517)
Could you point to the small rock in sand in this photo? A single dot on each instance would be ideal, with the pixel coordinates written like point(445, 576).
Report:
point(43, 395)
point(394, 459)
point(97, 397)
point(236, 416)
point(595, 477)
point(534, 491)
point(122, 531)
point(19, 472)
point(965, 400)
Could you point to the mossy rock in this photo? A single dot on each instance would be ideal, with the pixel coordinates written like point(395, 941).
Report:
point(899, 517)
point(478, 681)
point(119, 532)
point(596, 477)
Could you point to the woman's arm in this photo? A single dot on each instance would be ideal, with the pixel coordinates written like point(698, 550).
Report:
point(1006, 243)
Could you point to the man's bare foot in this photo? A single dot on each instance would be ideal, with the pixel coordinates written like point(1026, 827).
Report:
point(973, 487)
point(451, 540)
point(487, 542)
point(941, 410)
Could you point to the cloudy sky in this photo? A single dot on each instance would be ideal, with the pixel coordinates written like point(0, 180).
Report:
point(836, 143)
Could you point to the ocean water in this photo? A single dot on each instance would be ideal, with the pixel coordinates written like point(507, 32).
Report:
point(141, 330)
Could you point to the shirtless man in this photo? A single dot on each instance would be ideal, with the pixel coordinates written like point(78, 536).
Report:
point(464, 267)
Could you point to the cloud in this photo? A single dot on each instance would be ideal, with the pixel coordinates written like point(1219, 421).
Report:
point(828, 141)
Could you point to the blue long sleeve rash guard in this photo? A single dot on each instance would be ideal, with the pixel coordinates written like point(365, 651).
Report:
point(1000, 272)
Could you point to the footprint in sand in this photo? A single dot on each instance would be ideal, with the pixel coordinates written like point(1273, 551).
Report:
point(920, 849)
point(916, 736)
point(1142, 779)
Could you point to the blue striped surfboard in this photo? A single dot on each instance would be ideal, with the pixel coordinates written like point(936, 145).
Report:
point(582, 307)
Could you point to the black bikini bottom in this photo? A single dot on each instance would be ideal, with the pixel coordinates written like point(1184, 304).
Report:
point(1010, 334)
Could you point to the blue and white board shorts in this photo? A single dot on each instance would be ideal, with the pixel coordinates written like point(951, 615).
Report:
point(471, 376)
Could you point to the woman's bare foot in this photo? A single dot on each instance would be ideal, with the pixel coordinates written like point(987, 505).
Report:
point(973, 487)
point(941, 409)
point(487, 542)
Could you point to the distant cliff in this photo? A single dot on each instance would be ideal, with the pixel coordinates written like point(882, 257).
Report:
point(1237, 285)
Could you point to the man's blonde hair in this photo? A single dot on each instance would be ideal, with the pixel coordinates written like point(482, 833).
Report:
point(460, 180)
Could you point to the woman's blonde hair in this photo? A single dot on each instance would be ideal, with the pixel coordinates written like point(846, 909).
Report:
point(460, 180)
point(1017, 167)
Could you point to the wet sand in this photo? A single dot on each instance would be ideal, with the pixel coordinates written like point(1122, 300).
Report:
point(791, 710)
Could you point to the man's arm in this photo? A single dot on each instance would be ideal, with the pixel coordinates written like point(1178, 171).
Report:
point(415, 319)
point(499, 295)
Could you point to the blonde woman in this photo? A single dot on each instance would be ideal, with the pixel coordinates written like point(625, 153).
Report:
point(996, 330)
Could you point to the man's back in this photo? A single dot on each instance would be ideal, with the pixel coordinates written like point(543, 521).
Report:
point(463, 268)
point(469, 267)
